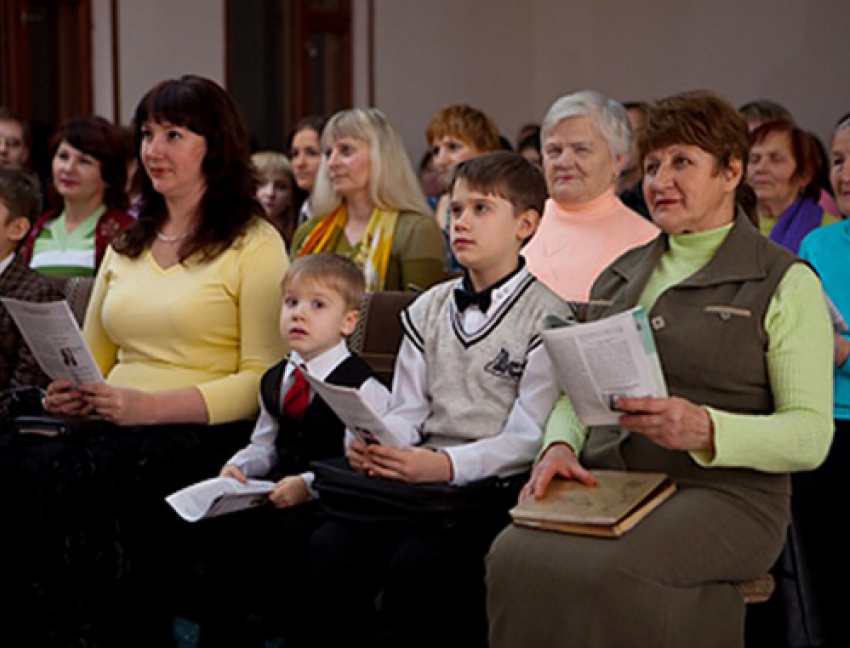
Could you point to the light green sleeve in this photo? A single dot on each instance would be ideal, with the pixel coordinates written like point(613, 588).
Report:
point(798, 434)
point(563, 426)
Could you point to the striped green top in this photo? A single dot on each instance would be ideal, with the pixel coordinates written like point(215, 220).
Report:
point(61, 253)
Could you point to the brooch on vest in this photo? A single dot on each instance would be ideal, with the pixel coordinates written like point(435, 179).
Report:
point(503, 367)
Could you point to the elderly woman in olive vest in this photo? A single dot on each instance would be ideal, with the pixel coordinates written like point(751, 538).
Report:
point(746, 346)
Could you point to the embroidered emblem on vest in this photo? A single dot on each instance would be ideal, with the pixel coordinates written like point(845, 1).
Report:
point(504, 367)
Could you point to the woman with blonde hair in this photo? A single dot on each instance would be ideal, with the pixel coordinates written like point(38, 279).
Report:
point(369, 205)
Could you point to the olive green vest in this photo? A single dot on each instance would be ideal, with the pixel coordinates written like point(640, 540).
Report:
point(711, 339)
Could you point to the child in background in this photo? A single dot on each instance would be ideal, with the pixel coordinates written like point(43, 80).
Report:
point(259, 554)
point(473, 388)
point(276, 192)
point(20, 206)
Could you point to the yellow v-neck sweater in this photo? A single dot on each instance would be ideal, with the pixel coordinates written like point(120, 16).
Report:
point(211, 325)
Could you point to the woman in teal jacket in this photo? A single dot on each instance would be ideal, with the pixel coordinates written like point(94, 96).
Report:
point(818, 495)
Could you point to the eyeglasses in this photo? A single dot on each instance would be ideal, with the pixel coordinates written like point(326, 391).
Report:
point(11, 142)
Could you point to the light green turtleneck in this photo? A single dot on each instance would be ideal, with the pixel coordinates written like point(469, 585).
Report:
point(799, 357)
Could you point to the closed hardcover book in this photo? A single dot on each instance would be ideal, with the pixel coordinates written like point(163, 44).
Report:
point(609, 509)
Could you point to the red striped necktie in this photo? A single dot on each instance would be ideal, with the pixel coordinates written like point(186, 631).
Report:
point(297, 398)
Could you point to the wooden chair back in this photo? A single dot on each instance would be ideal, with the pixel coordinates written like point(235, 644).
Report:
point(378, 333)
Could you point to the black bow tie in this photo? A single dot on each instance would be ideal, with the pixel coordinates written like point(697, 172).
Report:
point(465, 297)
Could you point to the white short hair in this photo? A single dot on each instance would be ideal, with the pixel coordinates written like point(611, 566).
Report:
point(609, 116)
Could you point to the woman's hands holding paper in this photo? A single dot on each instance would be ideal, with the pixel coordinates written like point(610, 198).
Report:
point(63, 399)
point(672, 423)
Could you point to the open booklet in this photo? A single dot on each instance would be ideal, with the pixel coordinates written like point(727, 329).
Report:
point(598, 362)
point(347, 403)
point(609, 509)
point(217, 496)
point(53, 335)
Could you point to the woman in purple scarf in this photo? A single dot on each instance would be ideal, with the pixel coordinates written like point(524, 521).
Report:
point(782, 170)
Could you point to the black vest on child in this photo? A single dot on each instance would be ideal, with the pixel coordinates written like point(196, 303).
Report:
point(320, 434)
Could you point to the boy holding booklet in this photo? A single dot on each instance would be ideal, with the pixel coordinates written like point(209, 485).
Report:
point(20, 205)
point(473, 388)
point(321, 297)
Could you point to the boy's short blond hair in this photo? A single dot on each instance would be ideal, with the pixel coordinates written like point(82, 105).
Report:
point(339, 273)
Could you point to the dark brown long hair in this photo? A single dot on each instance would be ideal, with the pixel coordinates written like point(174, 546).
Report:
point(102, 140)
point(229, 204)
point(316, 124)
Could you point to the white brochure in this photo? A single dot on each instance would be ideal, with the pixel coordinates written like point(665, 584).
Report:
point(54, 336)
point(218, 496)
point(598, 362)
point(347, 403)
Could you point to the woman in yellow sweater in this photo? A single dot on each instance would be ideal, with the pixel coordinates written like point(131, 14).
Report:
point(182, 319)
point(183, 323)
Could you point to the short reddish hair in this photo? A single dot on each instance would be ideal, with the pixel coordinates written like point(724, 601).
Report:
point(468, 124)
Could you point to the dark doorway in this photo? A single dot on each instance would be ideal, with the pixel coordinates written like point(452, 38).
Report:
point(45, 66)
point(287, 59)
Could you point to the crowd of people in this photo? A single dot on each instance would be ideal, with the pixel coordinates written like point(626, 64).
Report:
point(220, 278)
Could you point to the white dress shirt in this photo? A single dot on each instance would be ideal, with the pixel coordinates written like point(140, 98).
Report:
point(515, 447)
point(259, 457)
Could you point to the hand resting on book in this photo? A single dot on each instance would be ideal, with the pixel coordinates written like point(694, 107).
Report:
point(559, 460)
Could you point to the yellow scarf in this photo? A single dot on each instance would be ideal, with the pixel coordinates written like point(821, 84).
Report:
point(372, 252)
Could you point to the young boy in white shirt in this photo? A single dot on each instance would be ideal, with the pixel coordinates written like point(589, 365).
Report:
point(473, 388)
point(262, 551)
